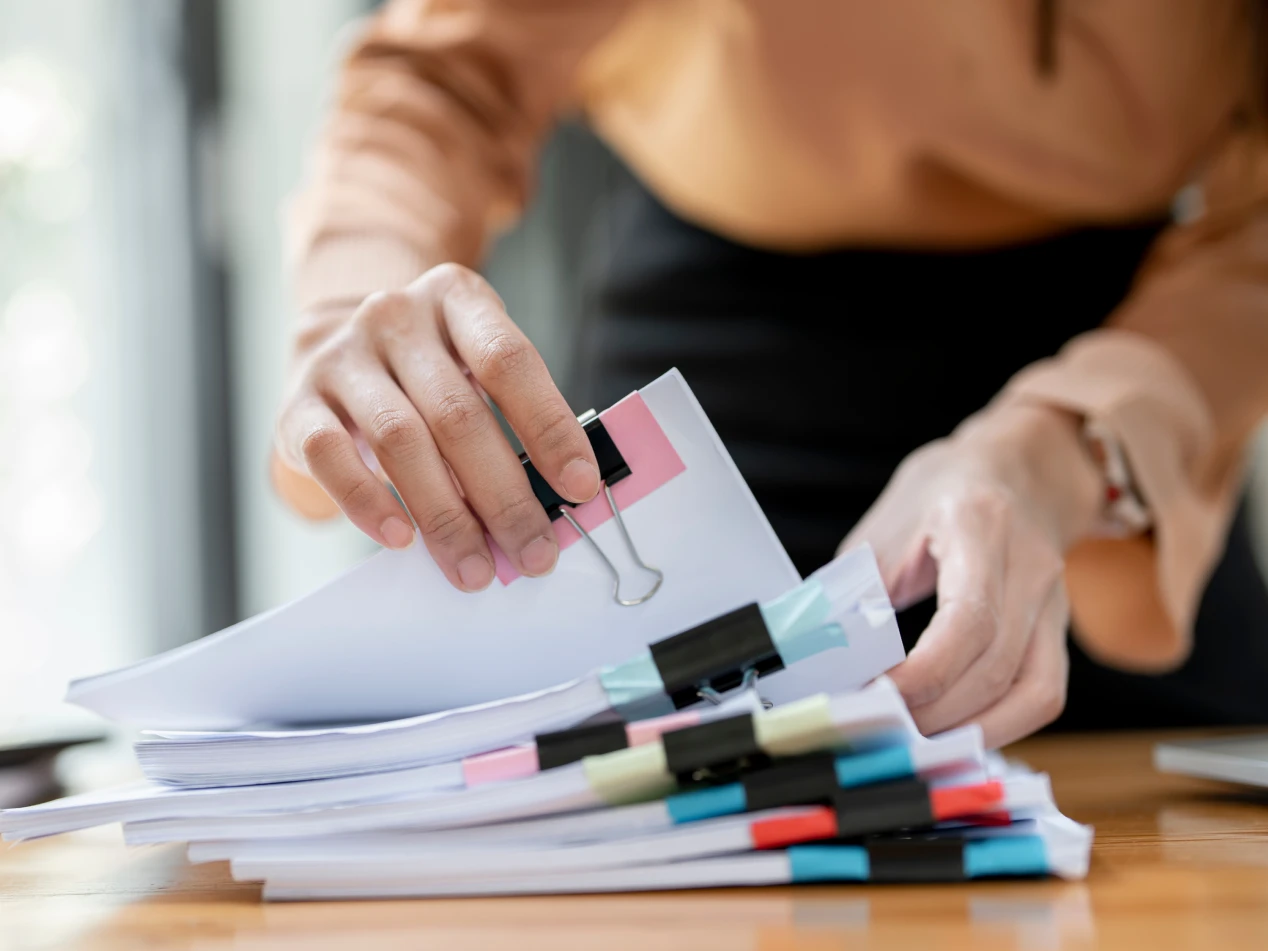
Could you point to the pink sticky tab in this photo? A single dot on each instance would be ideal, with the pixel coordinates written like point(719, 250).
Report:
point(641, 732)
point(515, 762)
point(652, 461)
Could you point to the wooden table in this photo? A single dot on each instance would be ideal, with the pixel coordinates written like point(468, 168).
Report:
point(1177, 864)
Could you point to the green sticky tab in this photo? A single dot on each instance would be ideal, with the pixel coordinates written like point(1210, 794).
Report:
point(802, 727)
point(630, 775)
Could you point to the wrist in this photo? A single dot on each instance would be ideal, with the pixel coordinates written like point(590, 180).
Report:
point(1040, 452)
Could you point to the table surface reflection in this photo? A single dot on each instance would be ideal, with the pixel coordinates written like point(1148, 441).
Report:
point(1178, 863)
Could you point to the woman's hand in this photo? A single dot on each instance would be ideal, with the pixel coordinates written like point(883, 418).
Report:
point(983, 518)
point(406, 372)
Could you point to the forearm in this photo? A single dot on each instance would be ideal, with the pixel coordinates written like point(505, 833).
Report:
point(430, 146)
point(1180, 376)
point(1209, 310)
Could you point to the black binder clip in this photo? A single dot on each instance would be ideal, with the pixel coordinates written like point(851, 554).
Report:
point(716, 656)
point(717, 752)
point(612, 469)
point(898, 804)
point(924, 858)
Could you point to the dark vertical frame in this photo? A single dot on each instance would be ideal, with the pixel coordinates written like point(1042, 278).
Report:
point(200, 67)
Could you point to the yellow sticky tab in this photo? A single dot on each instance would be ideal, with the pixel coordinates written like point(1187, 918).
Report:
point(630, 775)
point(802, 727)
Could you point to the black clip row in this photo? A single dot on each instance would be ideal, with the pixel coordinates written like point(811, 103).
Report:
point(866, 810)
point(569, 746)
point(612, 469)
point(860, 810)
point(612, 465)
point(715, 655)
point(707, 752)
point(796, 781)
point(916, 859)
point(715, 752)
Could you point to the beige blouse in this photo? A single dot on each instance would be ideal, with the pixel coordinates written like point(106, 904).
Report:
point(808, 124)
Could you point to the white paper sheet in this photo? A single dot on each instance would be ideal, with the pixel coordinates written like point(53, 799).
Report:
point(391, 638)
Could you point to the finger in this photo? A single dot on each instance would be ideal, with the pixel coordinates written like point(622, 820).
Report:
point(902, 556)
point(312, 433)
point(395, 432)
point(1026, 590)
point(988, 679)
point(300, 491)
point(1038, 695)
point(467, 434)
point(969, 544)
point(896, 530)
point(508, 367)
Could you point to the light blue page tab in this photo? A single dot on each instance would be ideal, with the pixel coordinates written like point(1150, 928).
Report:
point(635, 689)
point(1009, 855)
point(829, 863)
point(876, 766)
point(699, 804)
point(798, 623)
point(808, 643)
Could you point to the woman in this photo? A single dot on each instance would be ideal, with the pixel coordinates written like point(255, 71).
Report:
point(869, 234)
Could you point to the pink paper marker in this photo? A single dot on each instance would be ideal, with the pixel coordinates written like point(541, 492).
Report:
point(516, 762)
point(652, 462)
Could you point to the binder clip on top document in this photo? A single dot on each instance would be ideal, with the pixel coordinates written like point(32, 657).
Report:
point(392, 639)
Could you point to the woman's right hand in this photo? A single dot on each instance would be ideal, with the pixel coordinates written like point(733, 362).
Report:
point(406, 372)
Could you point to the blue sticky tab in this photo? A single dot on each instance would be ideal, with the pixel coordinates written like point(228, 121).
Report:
point(828, 863)
point(803, 608)
point(635, 689)
point(811, 642)
point(725, 800)
point(876, 766)
point(799, 623)
point(1007, 855)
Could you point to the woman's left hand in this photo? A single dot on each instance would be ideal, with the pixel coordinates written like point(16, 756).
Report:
point(984, 518)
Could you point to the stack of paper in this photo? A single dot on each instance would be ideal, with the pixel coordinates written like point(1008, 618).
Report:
point(838, 787)
point(479, 748)
point(734, 729)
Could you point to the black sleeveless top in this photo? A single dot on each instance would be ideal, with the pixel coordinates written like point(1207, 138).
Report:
point(822, 371)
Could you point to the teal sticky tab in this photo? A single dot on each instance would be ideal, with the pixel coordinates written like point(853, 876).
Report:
point(828, 863)
point(803, 608)
point(1007, 855)
point(699, 804)
point(808, 643)
point(874, 766)
point(799, 623)
point(635, 689)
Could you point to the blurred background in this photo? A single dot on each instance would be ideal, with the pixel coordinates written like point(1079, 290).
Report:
point(146, 150)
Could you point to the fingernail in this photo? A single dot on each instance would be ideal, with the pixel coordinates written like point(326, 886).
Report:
point(581, 480)
point(475, 573)
point(396, 534)
point(539, 555)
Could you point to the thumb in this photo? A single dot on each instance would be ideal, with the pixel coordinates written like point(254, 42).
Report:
point(914, 576)
point(910, 573)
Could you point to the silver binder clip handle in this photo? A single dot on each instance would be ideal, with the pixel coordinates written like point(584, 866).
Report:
point(711, 695)
point(750, 683)
point(629, 543)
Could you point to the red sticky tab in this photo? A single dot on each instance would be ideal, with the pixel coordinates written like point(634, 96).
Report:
point(989, 819)
point(777, 833)
point(954, 802)
point(652, 459)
